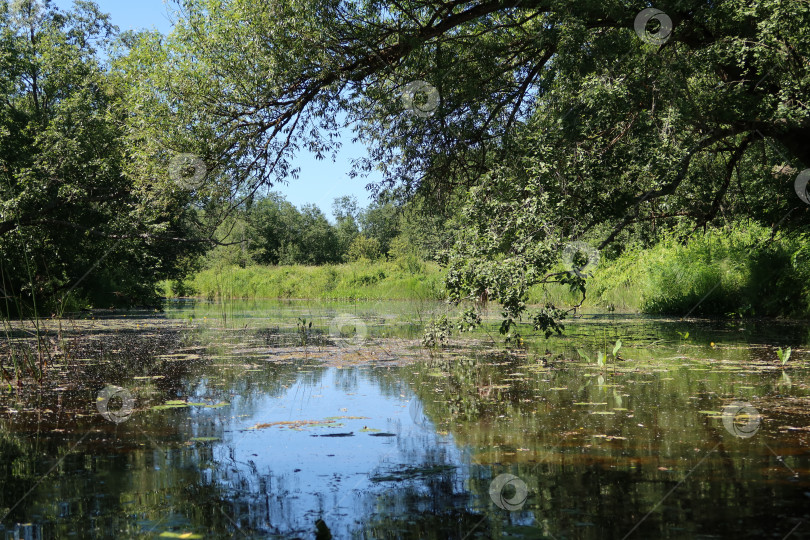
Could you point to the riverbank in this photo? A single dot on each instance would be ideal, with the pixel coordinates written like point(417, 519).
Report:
point(734, 272)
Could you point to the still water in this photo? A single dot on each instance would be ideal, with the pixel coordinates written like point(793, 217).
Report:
point(300, 420)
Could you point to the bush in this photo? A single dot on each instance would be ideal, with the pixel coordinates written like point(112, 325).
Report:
point(364, 248)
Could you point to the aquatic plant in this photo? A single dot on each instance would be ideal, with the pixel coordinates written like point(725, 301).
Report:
point(784, 355)
point(616, 347)
point(437, 332)
point(303, 330)
point(601, 356)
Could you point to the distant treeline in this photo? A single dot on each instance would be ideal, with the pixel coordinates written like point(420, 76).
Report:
point(271, 230)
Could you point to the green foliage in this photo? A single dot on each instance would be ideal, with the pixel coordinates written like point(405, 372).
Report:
point(784, 355)
point(426, 227)
point(405, 255)
point(379, 222)
point(739, 269)
point(304, 330)
point(345, 211)
point(359, 280)
point(270, 230)
point(437, 332)
point(75, 228)
point(364, 248)
point(601, 356)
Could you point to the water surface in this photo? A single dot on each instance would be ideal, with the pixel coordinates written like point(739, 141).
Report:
point(245, 421)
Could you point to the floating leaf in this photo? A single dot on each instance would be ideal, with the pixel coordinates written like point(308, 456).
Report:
point(180, 404)
point(218, 405)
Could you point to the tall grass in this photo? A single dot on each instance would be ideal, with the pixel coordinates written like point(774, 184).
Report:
point(362, 280)
point(735, 271)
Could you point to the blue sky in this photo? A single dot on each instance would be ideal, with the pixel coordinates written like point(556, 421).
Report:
point(320, 181)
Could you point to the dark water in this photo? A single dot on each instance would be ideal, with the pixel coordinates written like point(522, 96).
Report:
point(260, 426)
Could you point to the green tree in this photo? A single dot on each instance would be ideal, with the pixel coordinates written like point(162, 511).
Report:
point(273, 222)
point(279, 233)
point(379, 221)
point(345, 211)
point(319, 243)
point(72, 223)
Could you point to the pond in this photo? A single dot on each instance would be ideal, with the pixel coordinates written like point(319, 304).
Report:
point(310, 420)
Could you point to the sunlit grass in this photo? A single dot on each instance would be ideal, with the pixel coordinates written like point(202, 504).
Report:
point(360, 280)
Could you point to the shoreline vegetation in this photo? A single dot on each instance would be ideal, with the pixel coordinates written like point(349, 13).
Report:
point(360, 280)
point(732, 273)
